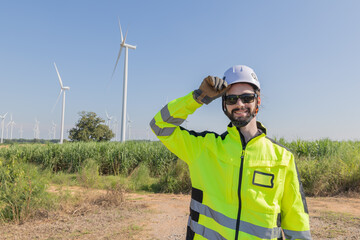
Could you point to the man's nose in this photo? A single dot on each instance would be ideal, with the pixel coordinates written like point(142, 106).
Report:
point(239, 102)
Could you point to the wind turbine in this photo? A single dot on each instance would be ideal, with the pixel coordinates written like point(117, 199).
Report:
point(108, 118)
point(21, 131)
point(7, 131)
point(115, 127)
point(126, 46)
point(36, 129)
point(62, 90)
point(53, 130)
point(2, 127)
point(11, 124)
point(50, 133)
point(148, 133)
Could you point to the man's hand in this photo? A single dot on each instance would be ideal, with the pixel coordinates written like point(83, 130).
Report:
point(210, 89)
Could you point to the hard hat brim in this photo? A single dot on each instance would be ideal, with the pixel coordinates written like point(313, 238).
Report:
point(256, 84)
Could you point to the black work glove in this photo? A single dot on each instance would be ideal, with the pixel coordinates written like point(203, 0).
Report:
point(210, 89)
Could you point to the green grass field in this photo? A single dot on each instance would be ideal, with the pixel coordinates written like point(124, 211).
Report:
point(327, 168)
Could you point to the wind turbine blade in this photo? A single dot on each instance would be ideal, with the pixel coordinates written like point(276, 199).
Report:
point(57, 100)
point(58, 76)
point(5, 115)
point(107, 115)
point(125, 37)
point(117, 60)
point(120, 30)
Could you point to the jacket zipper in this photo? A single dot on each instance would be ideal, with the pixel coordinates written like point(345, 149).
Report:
point(240, 183)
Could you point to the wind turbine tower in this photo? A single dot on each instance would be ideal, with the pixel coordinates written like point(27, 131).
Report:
point(36, 129)
point(116, 127)
point(7, 131)
point(11, 124)
point(2, 127)
point(148, 133)
point(21, 131)
point(62, 90)
point(53, 130)
point(126, 46)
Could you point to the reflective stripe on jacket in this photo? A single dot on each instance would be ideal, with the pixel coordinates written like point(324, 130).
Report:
point(240, 191)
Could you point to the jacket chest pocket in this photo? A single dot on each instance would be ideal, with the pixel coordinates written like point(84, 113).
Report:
point(263, 179)
point(263, 185)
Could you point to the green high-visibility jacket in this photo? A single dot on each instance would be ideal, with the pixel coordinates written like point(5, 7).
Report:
point(239, 190)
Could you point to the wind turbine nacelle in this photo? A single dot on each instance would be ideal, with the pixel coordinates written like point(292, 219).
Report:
point(65, 88)
point(129, 46)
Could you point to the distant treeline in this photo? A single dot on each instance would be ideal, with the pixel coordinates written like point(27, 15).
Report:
point(23, 140)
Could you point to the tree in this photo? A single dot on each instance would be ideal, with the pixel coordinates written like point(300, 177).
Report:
point(90, 128)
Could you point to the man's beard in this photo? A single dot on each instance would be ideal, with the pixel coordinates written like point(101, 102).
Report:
point(240, 121)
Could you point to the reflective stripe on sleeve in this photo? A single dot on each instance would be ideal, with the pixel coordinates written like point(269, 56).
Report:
point(204, 231)
point(166, 117)
point(297, 234)
point(161, 131)
point(246, 227)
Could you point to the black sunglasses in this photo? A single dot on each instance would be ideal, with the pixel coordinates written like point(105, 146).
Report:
point(245, 98)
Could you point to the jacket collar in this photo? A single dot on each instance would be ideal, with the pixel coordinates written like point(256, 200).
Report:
point(261, 127)
point(233, 131)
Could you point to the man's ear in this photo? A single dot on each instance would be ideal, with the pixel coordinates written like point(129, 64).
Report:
point(258, 104)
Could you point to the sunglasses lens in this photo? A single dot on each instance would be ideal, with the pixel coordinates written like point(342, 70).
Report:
point(231, 100)
point(245, 98)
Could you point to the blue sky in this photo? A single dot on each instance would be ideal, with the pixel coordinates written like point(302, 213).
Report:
point(306, 55)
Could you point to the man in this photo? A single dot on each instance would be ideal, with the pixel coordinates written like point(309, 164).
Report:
point(244, 184)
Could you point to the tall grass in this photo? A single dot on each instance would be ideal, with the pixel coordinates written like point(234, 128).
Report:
point(112, 157)
point(326, 167)
point(175, 180)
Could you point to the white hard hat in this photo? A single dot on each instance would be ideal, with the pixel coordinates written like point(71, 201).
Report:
point(241, 74)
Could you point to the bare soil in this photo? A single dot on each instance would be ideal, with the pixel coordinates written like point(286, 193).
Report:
point(161, 216)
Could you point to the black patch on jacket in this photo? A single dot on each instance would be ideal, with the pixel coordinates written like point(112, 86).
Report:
point(190, 234)
point(197, 195)
point(203, 134)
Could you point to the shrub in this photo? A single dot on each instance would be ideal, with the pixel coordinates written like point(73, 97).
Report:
point(22, 190)
point(140, 178)
point(88, 176)
point(175, 180)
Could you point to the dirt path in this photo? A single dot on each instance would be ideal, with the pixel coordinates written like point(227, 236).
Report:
point(167, 216)
point(164, 217)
